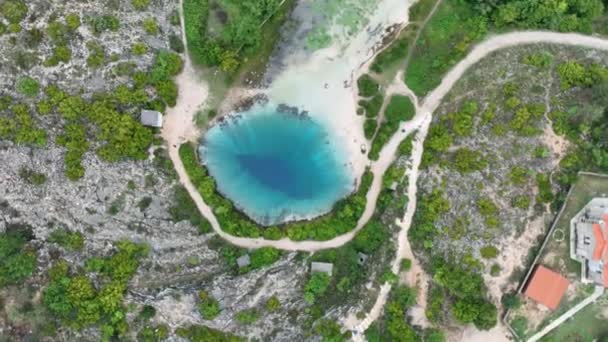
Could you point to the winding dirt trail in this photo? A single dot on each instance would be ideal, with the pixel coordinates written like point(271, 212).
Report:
point(179, 128)
point(422, 121)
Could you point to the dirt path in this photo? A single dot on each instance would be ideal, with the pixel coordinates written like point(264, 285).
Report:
point(193, 93)
point(422, 121)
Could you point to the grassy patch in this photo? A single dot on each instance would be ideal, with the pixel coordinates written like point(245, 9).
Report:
point(444, 41)
point(400, 108)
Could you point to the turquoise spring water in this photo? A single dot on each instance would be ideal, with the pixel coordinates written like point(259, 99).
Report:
point(276, 166)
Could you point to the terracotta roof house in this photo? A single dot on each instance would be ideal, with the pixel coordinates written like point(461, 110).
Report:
point(546, 287)
point(589, 241)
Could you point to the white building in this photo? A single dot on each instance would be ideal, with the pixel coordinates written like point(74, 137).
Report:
point(151, 118)
point(589, 241)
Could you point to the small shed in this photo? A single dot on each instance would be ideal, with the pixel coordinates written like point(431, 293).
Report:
point(151, 118)
point(243, 261)
point(324, 267)
point(394, 186)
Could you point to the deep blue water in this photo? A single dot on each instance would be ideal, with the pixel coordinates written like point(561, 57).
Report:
point(276, 166)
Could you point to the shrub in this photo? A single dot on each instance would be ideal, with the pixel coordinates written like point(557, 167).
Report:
point(545, 194)
point(139, 48)
point(273, 304)
point(489, 252)
point(367, 86)
point(61, 54)
point(467, 161)
point(540, 60)
point(72, 21)
point(518, 175)
point(31, 176)
point(247, 316)
point(521, 202)
point(16, 262)
point(406, 264)
point(72, 241)
point(99, 24)
point(150, 26)
point(140, 4)
point(369, 128)
point(147, 312)
point(316, 286)
point(510, 301)
point(14, 10)
point(208, 307)
point(264, 256)
point(175, 43)
point(97, 54)
point(28, 86)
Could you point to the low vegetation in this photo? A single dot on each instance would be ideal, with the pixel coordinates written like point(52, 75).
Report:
point(94, 296)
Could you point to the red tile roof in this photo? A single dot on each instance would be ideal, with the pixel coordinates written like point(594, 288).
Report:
point(600, 242)
point(546, 287)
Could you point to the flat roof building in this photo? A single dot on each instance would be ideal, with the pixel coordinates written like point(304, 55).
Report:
point(546, 287)
point(243, 261)
point(589, 241)
point(151, 118)
point(324, 267)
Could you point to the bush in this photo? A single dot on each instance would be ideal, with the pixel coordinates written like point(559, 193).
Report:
point(61, 54)
point(521, 202)
point(14, 10)
point(150, 26)
point(139, 48)
point(72, 298)
point(201, 333)
point(140, 4)
point(367, 86)
point(147, 312)
point(489, 252)
point(99, 24)
point(72, 21)
point(467, 161)
point(28, 86)
point(16, 261)
point(406, 264)
point(247, 316)
point(316, 286)
point(369, 128)
point(273, 304)
point(264, 256)
point(97, 54)
point(208, 307)
point(72, 241)
point(175, 43)
point(510, 301)
point(31, 176)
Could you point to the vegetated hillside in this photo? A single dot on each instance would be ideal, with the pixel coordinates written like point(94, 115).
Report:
point(96, 233)
point(233, 35)
point(458, 25)
point(501, 152)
